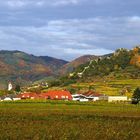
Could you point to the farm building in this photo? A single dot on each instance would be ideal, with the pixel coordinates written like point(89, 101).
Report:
point(117, 98)
point(88, 96)
point(28, 96)
point(94, 96)
point(9, 97)
point(92, 93)
point(43, 96)
point(56, 95)
point(79, 97)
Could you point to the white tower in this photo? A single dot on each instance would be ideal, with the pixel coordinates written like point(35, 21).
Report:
point(10, 86)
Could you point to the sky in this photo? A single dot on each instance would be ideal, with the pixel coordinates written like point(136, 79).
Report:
point(67, 29)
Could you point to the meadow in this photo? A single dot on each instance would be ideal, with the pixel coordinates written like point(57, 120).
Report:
point(64, 120)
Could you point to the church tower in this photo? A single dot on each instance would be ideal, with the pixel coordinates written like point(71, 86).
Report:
point(10, 86)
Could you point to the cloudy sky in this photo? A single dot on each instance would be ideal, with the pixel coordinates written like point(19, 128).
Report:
point(69, 28)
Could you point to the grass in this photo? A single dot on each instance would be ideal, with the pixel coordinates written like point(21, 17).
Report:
point(60, 120)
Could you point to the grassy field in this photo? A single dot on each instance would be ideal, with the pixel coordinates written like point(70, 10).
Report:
point(56, 120)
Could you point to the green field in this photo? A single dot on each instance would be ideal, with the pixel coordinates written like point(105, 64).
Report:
point(56, 120)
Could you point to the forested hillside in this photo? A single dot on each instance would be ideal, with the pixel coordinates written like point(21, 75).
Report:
point(23, 68)
point(122, 63)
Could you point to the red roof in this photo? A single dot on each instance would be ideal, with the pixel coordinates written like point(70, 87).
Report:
point(92, 93)
point(28, 96)
point(59, 95)
point(43, 96)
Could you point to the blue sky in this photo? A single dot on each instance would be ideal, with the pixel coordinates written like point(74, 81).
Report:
point(67, 29)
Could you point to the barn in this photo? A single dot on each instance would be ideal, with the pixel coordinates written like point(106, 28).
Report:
point(56, 95)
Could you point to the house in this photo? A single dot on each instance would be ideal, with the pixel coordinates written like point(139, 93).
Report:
point(7, 99)
point(10, 97)
point(28, 96)
point(56, 95)
point(75, 97)
point(88, 96)
point(13, 97)
point(79, 97)
point(93, 96)
point(43, 96)
point(117, 98)
point(16, 99)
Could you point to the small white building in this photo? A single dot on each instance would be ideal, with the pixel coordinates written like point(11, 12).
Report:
point(93, 98)
point(117, 98)
point(83, 100)
point(16, 99)
point(7, 99)
point(79, 97)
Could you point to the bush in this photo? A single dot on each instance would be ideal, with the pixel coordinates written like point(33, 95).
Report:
point(136, 95)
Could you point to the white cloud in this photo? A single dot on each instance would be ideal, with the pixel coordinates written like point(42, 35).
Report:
point(16, 3)
point(68, 39)
point(25, 3)
point(65, 2)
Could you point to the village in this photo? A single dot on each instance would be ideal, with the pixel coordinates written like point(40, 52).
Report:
point(89, 96)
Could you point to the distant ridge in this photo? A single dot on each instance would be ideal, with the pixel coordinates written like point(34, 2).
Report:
point(25, 68)
point(22, 67)
point(53, 63)
point(69, 67)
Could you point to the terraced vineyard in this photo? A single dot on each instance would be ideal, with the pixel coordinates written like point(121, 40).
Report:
point(110, 87)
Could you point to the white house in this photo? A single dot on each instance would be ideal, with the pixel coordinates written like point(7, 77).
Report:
point(93, 98)
point(79, 97)
point(16, 99)
point(7, 99)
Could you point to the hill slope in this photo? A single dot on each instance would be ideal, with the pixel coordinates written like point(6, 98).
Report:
point(121, 64)
point(53, 63)
point(71, 66)
point(22, 67)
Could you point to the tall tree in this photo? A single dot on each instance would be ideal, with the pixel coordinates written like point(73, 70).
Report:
point(17, 88)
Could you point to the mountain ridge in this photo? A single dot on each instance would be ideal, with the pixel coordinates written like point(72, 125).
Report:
point(24, 68)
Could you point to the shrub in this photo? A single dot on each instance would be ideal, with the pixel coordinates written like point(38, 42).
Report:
point(136, 95)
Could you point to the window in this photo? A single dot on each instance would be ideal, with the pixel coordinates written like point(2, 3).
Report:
point(63, 97)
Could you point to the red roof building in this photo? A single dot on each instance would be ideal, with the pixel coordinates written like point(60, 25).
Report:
point(28, 96)
point(43, 96)
point(53, 95)
point(56, 95)
point(93, 93)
